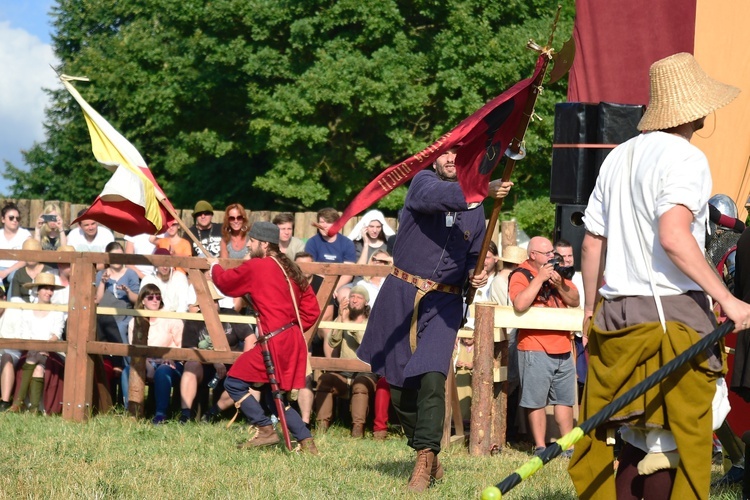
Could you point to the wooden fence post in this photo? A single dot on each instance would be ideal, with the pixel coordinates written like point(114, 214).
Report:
point(482, 380)
point(79, 365)
point(500, 396)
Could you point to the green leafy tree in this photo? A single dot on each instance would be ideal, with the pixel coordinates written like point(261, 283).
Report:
point(283, 104)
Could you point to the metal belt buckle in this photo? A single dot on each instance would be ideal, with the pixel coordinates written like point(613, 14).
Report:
point(426, 285)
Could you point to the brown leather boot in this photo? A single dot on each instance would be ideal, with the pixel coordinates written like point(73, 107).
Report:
point(380, 435)
point(420, 476)
point(321, 426)
point(265, 436)
point(308, 446)
point(437, 471)
point(358, 431)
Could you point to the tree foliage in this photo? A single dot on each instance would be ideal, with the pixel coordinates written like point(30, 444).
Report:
point(281, 104)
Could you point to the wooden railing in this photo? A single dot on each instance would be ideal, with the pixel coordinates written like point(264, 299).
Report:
point(81, 344)
point(489, 385)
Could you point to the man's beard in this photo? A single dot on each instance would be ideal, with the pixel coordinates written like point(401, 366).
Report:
point(257, 254)
point(356, 313)
point(439, 171)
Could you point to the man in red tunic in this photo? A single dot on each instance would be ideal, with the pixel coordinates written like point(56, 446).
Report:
point(267, 277)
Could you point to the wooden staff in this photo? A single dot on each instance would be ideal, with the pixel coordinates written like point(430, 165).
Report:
point(515, 150)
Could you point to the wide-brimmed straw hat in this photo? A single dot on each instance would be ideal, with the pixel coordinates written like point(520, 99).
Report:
point(514, 254)
point(682, 92)
point(43, 279)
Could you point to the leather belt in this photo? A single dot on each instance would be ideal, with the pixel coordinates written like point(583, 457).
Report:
point(269, 336)
point(423, 286)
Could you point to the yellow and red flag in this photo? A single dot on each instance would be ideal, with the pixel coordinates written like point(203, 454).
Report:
point(131, 202)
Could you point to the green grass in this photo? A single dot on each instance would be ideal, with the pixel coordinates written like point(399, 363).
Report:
point(114, 456)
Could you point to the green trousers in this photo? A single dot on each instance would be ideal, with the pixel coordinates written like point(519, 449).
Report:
point(422, 411)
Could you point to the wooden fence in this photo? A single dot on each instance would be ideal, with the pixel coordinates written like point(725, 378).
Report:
point(489, 405)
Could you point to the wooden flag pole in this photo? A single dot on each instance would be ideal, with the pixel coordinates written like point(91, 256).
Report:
point(160, 196)
point(515, 150)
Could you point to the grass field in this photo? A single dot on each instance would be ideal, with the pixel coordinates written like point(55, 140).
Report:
point(114, 456)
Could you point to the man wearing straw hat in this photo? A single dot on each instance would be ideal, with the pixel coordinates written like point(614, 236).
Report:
point(645, 230)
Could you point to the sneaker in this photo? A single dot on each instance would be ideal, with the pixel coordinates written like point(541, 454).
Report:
point(733, 476)
point(4, 405)
point(159, 419)
point(567, 454)
point(184, 419)
point(539, 450)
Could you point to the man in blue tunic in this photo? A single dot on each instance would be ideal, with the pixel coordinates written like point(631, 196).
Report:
point(413, 325)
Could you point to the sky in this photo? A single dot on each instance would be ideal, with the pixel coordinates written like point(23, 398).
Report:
point(25, 58)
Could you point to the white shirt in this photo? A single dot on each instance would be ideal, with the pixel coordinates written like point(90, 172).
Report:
point(14, 243)
point(174, 292)
point(668, 171)
point(78, 240)
point(142, 246)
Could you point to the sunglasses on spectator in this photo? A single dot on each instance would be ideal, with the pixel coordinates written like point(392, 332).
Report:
point(232, 218)
point(12, 217)
point(153, 296)
point(382, 261)
point(201, 214)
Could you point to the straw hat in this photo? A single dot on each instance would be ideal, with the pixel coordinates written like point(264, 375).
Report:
point(43, 279)
point(31, 244)
point(514, 254)
point(681, 92)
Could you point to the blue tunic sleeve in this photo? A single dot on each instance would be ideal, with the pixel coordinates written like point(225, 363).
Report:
point(429, 194)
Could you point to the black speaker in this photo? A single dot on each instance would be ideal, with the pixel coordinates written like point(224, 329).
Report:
point(569, 227)
point(573, 176)
point(576, 159)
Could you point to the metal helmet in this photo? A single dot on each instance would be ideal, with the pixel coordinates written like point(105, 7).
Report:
point(724, 204)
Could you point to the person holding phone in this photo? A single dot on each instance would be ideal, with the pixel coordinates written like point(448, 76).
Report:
point(49, 228)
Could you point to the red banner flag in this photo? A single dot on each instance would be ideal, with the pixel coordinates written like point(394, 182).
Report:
point(480, 141)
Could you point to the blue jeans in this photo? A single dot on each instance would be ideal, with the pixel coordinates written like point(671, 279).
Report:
point(165, 378)
point(254, 411)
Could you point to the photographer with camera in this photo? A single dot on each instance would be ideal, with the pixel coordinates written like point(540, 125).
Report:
point(546, 370)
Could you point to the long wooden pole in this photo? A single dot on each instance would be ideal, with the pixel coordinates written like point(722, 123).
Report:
point(184, 227)
point(516, 153)
point(516, 147)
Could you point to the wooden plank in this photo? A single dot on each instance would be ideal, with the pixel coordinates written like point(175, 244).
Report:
point(481, 381)
point(499, 414)
point(539, 318)
point(325, 293)
point(175, 353)
point(137, 378)
point(345, 269)
point(209, 310)
point(308, 229)
point(299, 225)
point(79, 366)
point(23, 213)
point(36, 207)
point(508, 233)
point(338, 364)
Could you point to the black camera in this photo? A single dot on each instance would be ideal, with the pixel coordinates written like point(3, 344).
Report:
point(558, 262)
